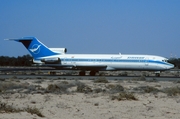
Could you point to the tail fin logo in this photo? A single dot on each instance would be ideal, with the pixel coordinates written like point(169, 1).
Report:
point(35, 48)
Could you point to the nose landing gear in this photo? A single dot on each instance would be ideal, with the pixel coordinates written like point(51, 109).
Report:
point(82, 73)
point(157, 74)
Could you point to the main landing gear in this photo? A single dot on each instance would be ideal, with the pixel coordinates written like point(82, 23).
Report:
point(91, 73)
point(82, 73)
point(158, 74)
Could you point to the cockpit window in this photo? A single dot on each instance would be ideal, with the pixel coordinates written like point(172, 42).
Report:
point(165, 60)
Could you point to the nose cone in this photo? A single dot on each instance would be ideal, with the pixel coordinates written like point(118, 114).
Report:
point(171, 66)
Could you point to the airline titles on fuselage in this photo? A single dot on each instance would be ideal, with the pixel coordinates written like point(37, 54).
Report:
point(136, 58)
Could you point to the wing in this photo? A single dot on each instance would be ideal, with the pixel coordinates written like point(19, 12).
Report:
point(77, 67)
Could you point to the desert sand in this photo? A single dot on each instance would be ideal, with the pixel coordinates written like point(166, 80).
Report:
point(89, 99)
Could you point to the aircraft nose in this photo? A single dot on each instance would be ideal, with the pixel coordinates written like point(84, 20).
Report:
point(170, 66)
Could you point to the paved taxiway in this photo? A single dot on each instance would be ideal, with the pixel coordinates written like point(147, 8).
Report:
point(75, 77)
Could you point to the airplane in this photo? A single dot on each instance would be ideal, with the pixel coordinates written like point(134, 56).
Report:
point(57, 58)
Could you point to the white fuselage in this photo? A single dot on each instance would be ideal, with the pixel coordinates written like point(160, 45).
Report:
point(113, 62)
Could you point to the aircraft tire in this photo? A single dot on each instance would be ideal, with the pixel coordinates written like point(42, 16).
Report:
point(92, 73)
point(82, 73)
point(157, 74)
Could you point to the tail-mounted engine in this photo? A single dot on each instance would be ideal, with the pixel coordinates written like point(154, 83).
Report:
point(59, 50)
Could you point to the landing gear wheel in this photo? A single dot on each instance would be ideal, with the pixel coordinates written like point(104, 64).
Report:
point(52, 73)
point(157, 74)
point(82, 73)
point(92, 73)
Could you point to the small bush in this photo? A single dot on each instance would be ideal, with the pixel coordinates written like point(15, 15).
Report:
point(173, 91)
point(32, 74)
point(123, 74)
point(101, 80)
point(177, 81)
point(146, 89)
point(14, 77)
point(152, 80)
point(124, 96)
point(115, 88)
point(38, 81)
point(145, 74)
point(65, 82)
point(110, 86)
point(149, 89)
point(142, 78)
point(31, 88)
point(4, 107)
point(59, 87)
point(82, 88)
point(34, 110)
point(4, 86)
point(2, 79)
point(53, 88)
point(99, 90)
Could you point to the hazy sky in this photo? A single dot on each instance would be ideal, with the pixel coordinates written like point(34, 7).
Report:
point(93, 26)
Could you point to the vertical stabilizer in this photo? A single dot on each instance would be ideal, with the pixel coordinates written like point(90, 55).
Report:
point(35, 47)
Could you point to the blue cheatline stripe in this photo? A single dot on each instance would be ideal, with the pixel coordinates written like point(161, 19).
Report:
point(113, 60)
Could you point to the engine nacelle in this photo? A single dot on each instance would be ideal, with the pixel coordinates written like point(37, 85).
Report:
point(54, 60)
point(36, 61)
point(59, 50)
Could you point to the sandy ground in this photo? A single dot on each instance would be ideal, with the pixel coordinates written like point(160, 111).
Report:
point(62, 99)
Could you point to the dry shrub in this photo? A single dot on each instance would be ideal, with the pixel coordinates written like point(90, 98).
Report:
point(5, 108)
point(38, 81)
point(34, 110)
point(4, 86)
point(123, 74)
point(2, 79)
point(56, 88)
point(101, 80)
point(82, 88)
point(61, 87)
point(152, 80)
point(65, 82)
point(142, 78)
point(14, 77)
point(146, 89)
point(177, 81)
point(52, 87)
point(124, 96)
point(173, 91)
point(98, 90)
point(115, 88)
